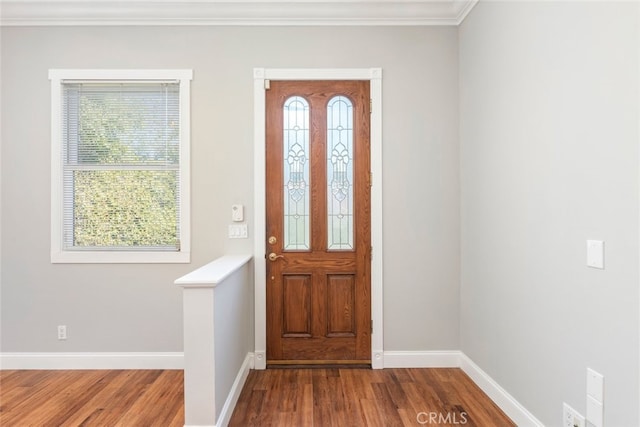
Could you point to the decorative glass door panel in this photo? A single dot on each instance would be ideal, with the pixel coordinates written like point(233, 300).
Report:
point(340, 173)
point(296, 173)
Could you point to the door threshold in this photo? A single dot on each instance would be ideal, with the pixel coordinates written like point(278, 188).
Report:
point(318, 364)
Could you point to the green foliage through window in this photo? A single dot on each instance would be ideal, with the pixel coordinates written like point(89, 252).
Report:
point(125, 208)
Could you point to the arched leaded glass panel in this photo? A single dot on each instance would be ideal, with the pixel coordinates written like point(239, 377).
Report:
point(340, 173)
point(296, 174)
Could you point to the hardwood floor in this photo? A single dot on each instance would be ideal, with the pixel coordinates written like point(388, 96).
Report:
point(91, 398)
point(363, 397)
point(275, 397)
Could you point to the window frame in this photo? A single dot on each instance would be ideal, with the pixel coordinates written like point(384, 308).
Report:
point(58, 252)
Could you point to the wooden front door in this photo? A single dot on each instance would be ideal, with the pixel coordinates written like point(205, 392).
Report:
point(318, 222)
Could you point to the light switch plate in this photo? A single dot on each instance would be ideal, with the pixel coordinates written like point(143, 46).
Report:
point(238, 231)
point(595, 385)
point(595, 412)
point(595, 254)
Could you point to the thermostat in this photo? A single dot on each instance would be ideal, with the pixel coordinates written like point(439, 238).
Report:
point(237, 213)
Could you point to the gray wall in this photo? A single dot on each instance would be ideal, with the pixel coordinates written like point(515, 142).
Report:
point(549, 159)
point(137, 307)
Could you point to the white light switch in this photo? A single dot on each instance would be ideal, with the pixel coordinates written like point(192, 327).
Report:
point(595, 254)
point(595, 385)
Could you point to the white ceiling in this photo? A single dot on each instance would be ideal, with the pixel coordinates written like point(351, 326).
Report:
point(234, 12)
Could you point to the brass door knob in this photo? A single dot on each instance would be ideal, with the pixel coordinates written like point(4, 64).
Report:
point(273, 256)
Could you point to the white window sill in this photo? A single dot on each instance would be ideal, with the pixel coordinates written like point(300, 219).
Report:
point(108, 257)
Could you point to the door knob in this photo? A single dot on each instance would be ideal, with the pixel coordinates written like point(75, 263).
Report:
point(273, 256)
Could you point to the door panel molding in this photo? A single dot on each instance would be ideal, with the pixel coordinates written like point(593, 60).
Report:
point(341, 290)
point(261, 76)
point(296, 292)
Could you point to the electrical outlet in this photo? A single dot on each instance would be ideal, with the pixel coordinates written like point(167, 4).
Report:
point(571, 417)
point(62, 332)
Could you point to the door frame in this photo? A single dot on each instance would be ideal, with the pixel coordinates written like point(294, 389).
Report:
point(260, 75)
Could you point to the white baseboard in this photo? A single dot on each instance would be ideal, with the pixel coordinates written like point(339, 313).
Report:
point(422, 359)
point(230, 404)
point(514, 410)
point(55, 361)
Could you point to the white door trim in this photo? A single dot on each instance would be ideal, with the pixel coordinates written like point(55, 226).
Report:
point(374, 75)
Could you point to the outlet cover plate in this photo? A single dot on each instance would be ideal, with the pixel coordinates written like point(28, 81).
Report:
point(571, 417)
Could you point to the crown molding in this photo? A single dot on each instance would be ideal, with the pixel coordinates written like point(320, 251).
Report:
point(233, 12)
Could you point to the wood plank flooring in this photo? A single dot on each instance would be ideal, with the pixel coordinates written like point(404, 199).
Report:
point(275, 397)
point(91, 398)
point(364, 397)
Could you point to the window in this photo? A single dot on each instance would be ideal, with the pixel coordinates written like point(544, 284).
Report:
point(120, 166)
